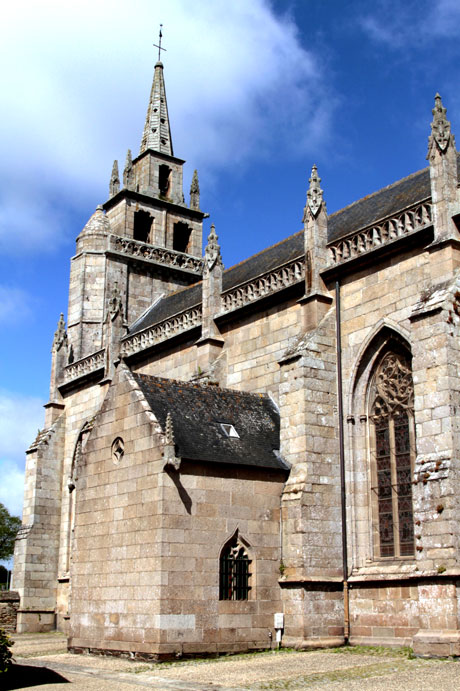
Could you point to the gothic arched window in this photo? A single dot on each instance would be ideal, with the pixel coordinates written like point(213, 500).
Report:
point(234, 572)
point(393, 442)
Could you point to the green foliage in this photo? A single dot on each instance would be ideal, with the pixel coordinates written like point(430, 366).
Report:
point(377, 650)
point(9, 526)
point(5, 652)
point(3, 575)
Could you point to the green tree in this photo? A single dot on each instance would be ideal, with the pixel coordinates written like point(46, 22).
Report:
point(9, 526)
point(5, 652)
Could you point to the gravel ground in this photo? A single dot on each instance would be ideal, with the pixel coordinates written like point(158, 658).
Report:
point(44, 664)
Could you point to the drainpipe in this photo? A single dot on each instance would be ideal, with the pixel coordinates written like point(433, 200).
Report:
point(346, 604)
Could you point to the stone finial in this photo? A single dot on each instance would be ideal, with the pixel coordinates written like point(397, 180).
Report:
point(195, 192)
point(440, 127)
point(157, 132)
point(170, 445)
point(128, 171)
point(59, 354)
point(212, 256)
point(169, 432)
point(60, 335)
point(114, 185)
point(314, 195)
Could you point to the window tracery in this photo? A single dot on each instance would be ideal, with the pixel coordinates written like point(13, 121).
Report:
point(393, 445)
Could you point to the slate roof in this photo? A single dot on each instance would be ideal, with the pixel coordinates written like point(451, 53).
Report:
point(361, 214)
point(197, 411)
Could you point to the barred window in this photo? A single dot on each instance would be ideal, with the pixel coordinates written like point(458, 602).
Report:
point(234, 572)
point(394, 451)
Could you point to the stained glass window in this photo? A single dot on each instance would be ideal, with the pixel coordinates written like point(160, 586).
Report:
point(392, 415)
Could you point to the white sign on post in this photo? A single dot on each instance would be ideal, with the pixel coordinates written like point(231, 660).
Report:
point(279, 620)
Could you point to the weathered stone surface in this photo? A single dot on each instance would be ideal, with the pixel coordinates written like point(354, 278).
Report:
point(123, 533)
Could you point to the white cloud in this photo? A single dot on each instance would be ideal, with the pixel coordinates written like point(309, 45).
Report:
point(11, 487)
point(20, 418)
point(400, 25)
point(14, 305)
point(73, 98)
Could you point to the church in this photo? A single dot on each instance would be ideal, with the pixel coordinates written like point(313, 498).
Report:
point(265, 453)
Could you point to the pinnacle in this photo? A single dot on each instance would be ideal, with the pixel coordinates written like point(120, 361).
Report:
point(114, 184)
point(314, 193)
point(195, 192)
point(440, 126)
point(212, 253)
point(157, 132)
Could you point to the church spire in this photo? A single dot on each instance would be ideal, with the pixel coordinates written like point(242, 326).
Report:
point(157, 133)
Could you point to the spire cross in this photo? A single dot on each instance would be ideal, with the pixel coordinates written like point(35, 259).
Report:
point(158, 45)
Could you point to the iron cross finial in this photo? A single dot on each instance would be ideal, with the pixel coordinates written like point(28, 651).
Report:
point(158, 45)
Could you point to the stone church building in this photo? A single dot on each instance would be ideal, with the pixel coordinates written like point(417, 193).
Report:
point(280, 437)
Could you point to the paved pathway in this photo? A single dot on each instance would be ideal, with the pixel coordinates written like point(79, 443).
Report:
point(44, 665)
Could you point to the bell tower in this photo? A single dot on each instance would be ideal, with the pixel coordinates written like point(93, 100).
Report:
point(144, 240)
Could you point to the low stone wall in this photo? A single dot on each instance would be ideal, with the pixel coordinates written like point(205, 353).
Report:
point(421, 613)
point(9, 605)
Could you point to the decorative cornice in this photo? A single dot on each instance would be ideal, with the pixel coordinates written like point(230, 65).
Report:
point(87, 365)
point(158, 255)
point(264, 285)
point(373, 237)
point(152, 335)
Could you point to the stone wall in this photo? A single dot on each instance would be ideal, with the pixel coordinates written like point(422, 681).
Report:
point(145, 572)
point(418, 613)
point(9, 605)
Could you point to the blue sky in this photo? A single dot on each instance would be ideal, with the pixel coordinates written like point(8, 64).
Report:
point(257, 92)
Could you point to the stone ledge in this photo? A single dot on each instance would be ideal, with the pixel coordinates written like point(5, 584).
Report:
point(9, 596)
point(436, 643)
point(312, 643)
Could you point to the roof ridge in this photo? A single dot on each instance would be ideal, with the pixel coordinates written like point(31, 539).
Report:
point(381, 189)
point(270, 247)
point(214, 387)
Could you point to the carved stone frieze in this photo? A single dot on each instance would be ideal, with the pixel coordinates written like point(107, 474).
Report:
point(159, 255)
point(373, 237)
point(85, 366)
point(267, 284)
point(162, 331)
